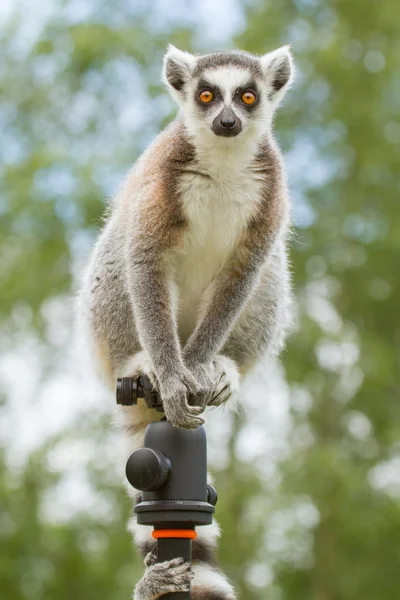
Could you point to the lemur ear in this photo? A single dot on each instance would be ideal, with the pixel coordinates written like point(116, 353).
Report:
point(279, 70)
point(178, 67)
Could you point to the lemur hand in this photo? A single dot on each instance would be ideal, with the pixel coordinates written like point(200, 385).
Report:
point(228, 380)
point(218, 380)
point(175, 388)
point(206, 375)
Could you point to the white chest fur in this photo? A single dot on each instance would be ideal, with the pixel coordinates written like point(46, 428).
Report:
point(218, 210)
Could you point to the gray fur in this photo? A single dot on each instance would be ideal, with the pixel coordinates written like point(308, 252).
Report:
point(241, 60)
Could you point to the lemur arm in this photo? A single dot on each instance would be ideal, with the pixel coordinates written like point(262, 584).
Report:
point(235, 282)
point(152, 307)
point(156, 230)
point(230, 291)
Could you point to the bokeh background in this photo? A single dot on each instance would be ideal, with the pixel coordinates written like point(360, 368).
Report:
point(308, 472)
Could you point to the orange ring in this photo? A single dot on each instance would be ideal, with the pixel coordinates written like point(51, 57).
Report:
point(174, 533)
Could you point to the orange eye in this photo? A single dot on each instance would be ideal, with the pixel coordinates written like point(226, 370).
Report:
point(206, 96)
point(248, 98)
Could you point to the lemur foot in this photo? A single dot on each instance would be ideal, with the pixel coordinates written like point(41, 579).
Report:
point(163, 578)
point(218, 380)
point(228, 380)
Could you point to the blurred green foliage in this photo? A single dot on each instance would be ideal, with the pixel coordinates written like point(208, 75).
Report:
point(77, 105)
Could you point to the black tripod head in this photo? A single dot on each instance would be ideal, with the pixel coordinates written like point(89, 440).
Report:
point(171, 471)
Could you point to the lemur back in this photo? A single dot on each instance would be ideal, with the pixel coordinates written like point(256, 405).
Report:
point(189, 281)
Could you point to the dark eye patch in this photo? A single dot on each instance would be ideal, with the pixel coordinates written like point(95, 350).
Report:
point(251, 86)
point(205, 85)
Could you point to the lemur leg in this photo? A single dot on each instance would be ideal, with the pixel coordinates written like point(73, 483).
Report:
point(139, 364)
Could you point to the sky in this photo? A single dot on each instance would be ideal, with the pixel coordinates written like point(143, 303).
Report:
point(215, 21)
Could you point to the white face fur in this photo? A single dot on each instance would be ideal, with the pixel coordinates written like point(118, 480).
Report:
point(242, 91)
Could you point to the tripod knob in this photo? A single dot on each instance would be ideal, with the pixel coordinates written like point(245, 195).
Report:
point(147, 470)
point(212, 495)
point(130, 389)
point(127, 391)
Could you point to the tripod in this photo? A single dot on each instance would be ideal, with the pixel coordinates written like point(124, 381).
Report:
point(171, 471)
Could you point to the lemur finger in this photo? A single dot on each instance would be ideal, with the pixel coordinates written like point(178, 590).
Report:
point(180, 414)
point(170, 564)
point(221, 392)
point(174, 572)
point(150, 559)
point(191, 422)
point(192, 385)
point(200, 400)
point(195, 410)
point(229, 373)
point(221, 396)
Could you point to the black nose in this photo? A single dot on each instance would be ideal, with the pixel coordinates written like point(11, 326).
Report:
point(228, 121)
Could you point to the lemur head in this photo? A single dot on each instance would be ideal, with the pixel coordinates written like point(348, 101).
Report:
point(228, 94)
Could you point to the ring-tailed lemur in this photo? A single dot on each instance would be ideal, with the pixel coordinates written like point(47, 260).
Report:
point(189, 280)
